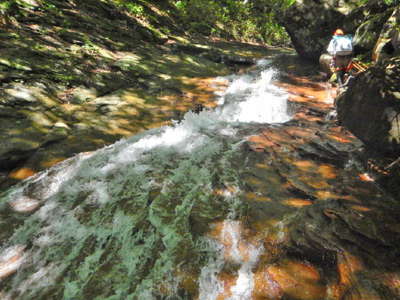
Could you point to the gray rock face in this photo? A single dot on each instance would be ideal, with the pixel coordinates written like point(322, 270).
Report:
point(388, 43)
point(310, 26)
point(368, 32)
point(370, 107)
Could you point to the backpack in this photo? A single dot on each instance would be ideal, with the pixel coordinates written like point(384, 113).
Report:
point(343, 45)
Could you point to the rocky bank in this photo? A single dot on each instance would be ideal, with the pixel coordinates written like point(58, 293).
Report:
point(78, 75)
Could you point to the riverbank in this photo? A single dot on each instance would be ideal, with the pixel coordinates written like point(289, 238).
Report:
point(75, 76)
point(64, 93)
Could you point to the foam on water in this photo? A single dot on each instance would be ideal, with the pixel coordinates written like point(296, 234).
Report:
point(210, 287)
point(230, 246)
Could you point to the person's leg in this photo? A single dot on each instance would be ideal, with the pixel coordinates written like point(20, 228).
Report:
point(341, 65)
point(347, 61)
point(340, 77)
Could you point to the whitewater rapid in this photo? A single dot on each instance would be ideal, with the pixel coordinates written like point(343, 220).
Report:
point(98, 197)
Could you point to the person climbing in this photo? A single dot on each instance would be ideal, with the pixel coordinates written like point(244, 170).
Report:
point(341, 49)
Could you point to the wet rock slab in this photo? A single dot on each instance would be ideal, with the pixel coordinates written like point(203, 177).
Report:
point(315, 208)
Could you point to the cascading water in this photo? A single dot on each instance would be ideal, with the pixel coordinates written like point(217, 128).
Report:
point(232, 248)
point(128, 221)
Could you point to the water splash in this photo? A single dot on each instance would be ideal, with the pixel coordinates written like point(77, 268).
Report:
point(210, 286)
point(231, 247)
point(10, 260)
point(264, 102)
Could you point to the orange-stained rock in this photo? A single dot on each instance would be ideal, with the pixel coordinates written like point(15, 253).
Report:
point(303, 115)
point(315, 183)
point(324, 195)
point(21, 173)
point(261, 142)
point(255, 197)
point(229, 281)
point(340, 138)
point(327, 171)
point(265, 287)
point(216, 229)
point(300, 132)
point(297, 202)
point(349, 286)
point(307, 271)
point(262, 228)
point(277, 136)
point(348, 265)
point(298, 280)
point(52, 162)
point(360, 208)
point(392, 281)
point(304, 164)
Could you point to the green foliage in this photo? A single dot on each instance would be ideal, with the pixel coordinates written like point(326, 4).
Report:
point(22, 8)
point(231, 19)
point(390, 2)
point(387, 2)
point(133, 8)
point(49, 6)
point(181, 5)
point(5, 6)
point(239, 20)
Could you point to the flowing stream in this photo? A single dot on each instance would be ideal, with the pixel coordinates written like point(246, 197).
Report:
point(188, 211)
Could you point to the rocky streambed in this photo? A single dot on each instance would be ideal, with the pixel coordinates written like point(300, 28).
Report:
point(328, 230)
point(262, 197)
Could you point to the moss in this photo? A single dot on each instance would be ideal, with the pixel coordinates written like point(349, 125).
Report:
point(16, 63)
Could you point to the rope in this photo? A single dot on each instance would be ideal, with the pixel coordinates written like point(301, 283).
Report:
point(360, 67)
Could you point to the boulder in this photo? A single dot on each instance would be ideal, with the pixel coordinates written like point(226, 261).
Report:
point(388, 43)
point(18, 140)
point(370, 107)
point(368, 32)
point(310, 23)
point(83, 94)
point(26, 118)
point(58, 132)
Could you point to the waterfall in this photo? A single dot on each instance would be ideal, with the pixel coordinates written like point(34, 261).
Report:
point(122, 216)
